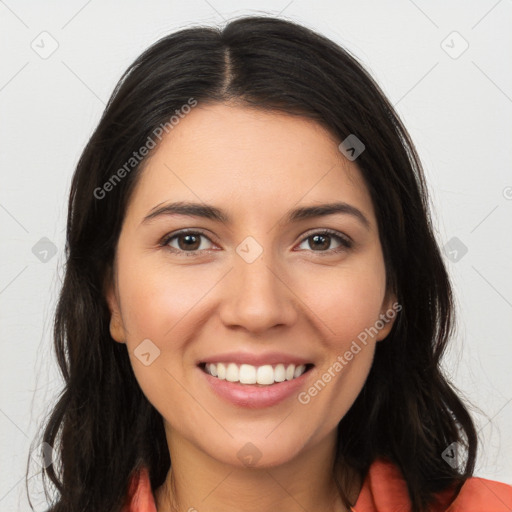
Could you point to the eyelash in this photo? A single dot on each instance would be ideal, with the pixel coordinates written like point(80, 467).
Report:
point(345, 242)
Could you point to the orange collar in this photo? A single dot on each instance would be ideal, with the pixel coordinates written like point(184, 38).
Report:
point(383, 490)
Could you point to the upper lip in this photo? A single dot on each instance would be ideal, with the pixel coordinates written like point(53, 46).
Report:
point(255, 359)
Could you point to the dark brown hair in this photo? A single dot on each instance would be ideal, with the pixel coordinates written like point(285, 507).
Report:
point(102, 427)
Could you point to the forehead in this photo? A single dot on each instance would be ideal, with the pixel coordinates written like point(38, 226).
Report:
point(247, 159)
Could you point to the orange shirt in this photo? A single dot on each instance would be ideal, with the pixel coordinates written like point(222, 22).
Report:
point(383, 490)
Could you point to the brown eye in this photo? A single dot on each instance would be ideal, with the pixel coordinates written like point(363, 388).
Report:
point(320, 242)
point(186, 242)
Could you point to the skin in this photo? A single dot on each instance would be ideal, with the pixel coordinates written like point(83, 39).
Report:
point(256, 165)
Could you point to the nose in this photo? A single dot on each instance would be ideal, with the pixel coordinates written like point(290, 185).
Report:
point(257, 297)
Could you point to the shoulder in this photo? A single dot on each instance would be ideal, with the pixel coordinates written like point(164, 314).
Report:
point(384, 488)
point(479, 494)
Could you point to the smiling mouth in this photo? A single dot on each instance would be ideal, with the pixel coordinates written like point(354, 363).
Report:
point(247, 374)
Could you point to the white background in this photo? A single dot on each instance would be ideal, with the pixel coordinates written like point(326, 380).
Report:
point(458, 111)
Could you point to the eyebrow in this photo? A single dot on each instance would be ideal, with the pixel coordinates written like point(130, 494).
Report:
point(213, 213)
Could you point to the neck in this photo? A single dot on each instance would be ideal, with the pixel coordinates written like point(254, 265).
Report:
point(198, 482)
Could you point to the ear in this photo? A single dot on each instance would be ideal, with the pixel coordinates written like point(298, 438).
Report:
point(388, 313)
point(117, 330)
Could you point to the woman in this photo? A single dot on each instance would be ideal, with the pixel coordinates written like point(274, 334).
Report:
point(255, 307)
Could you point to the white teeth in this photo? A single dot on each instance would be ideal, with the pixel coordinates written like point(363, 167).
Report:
point(212, 369)
point(299, 371)
point(265, 375)
point(221, 371)
point(279, 373)
point(249, 374)
point(232, 373)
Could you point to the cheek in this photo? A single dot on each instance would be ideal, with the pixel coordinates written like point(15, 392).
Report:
point(163, 306)
point(348, 309)
point(156, 299)
point(346, 300)
point(159, 305)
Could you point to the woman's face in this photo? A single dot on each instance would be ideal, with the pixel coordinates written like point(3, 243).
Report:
point(256, 289)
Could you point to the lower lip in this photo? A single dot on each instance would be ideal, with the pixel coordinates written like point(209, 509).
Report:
point(252, 396)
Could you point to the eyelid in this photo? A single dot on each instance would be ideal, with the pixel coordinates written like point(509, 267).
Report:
point(328, 231)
